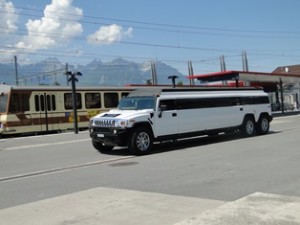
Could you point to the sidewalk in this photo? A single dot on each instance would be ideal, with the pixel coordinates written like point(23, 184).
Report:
point(286, 113)
point(258, 209)
point(109, 206)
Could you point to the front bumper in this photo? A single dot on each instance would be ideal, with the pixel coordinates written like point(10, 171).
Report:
point(109, 136)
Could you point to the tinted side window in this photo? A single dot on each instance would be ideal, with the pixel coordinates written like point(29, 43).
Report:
point(168, 104)
point(251, 100)
point(196, 103)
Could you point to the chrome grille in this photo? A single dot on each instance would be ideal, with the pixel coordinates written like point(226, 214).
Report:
point(104, 123)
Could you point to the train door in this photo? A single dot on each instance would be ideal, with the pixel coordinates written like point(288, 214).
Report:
point(45, 107)
point(19, 112)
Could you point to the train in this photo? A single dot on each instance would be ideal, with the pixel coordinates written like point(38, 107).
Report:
point(45, 109)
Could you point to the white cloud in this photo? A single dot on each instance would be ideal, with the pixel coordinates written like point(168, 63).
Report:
point(9, 17)
point(109, 34)
point(59, 23)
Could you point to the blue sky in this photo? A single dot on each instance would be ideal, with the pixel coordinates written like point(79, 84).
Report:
point(172, 31)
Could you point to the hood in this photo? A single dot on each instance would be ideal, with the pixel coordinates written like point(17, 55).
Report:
point(123, 114)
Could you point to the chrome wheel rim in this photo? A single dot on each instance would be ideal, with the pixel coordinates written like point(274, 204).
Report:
point(250, 127)
point(264, 124)
point(143, 141)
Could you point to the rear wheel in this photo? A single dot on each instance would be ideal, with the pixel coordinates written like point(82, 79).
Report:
point(263, 125)
point(248, 127)
point(101, 148)
point(140, 141)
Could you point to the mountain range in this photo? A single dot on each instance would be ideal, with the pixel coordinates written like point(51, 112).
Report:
point(117, 72)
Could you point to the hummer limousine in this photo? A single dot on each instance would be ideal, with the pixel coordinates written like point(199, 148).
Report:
point(156, 114)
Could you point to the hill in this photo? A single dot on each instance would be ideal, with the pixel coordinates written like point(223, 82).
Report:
point(117, 72)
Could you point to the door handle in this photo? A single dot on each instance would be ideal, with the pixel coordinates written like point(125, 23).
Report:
point(241, 109)
point(174, 114)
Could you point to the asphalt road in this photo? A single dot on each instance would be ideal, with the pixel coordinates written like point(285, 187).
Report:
point(224, 168)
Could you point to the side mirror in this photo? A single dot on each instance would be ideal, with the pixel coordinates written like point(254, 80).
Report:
point(161, 109)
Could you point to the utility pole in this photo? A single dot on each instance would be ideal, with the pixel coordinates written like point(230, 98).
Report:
point(67, 69)
point(245, 61)
point(222, 63)
point(191, 73)
point(73, 80)
point(281, 95)
point(223, 68)
point(16, 70)
point(153, 73)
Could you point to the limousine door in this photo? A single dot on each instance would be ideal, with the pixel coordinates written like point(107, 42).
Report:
point(166, 122)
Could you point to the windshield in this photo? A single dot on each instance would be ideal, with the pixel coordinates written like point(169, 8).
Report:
point(136, 103)
point(3, 102)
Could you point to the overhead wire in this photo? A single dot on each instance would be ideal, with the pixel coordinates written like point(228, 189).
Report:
point(159, 27)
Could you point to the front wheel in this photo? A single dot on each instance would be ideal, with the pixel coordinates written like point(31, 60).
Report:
point(140, 141)
point(100, 147)
point(248, 127)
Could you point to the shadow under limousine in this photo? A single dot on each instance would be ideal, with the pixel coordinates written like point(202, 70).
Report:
point(182, 144)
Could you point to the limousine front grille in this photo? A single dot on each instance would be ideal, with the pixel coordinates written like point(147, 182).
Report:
point(104, 123)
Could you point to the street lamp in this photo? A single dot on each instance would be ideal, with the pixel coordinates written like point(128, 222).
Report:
point(73, 80)
point(173, 78)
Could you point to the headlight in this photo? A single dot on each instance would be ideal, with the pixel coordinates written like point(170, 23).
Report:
point(121, 123)
point(91, 122)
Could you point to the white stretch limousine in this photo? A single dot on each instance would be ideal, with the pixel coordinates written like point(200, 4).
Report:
point(157, 114)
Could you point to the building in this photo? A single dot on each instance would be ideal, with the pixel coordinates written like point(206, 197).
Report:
point(283, 84)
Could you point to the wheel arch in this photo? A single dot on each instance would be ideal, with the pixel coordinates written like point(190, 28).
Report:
point(249, 115)
point(265, 114)
point(143, 124)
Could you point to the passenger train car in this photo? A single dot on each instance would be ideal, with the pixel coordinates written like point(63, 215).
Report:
point(50, 108)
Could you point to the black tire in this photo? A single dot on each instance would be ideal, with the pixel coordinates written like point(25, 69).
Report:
point(263, 125)
point(100, 147)
point(248, 127)
point(140, 141)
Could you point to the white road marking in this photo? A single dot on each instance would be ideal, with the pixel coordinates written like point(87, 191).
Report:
point(45, 144)
point(65, 168)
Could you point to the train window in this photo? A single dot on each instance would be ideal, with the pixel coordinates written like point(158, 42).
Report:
point(124, 94)
point(53, 102)
point(3, 102)
point(42, 102)
point(111, 100)
point(48, 103)
point(69, 101)
point(37, 103)
point(92, 100)
point(14, 103)
point(25, 102)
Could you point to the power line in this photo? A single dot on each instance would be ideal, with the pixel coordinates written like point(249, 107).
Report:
point(95, 20)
